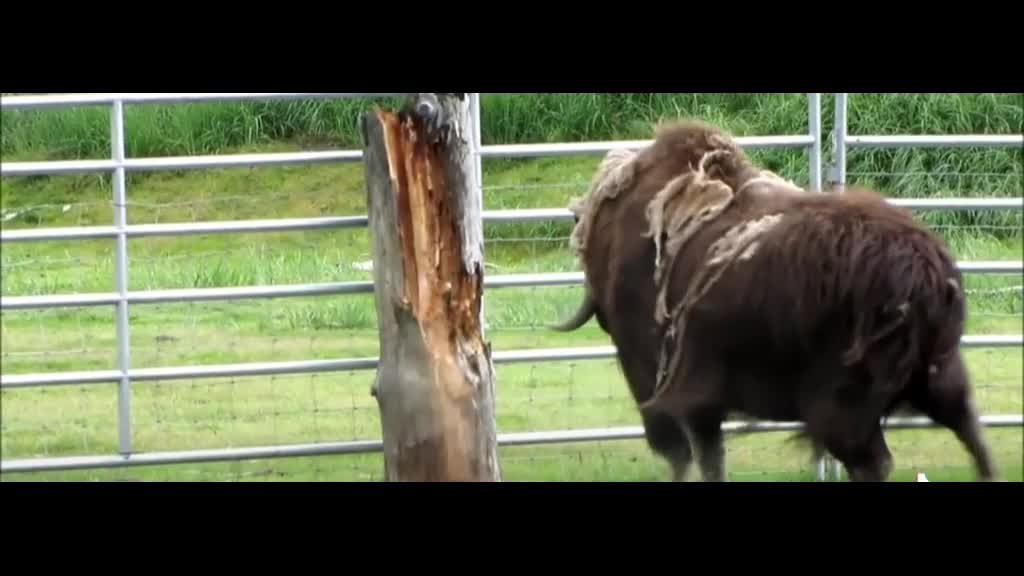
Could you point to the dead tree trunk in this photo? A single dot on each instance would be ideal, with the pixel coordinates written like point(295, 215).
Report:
point(435, 383)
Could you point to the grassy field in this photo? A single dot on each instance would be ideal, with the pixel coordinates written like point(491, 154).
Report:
point(168, 416)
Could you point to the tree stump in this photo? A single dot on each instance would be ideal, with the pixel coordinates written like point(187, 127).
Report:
point(435, 382)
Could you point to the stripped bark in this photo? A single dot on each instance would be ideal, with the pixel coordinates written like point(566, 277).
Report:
point(435, 383)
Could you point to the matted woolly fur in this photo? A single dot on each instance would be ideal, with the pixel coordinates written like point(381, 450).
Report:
point(769, 178)
point(688, 202)
point(677, 211)
point(709, 198)
point(739, 243)
point(692, 200)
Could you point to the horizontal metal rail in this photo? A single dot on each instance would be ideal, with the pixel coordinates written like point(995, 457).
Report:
point(937, 204)
point(550, 279)
point(70, 100)
point(185, 295)
point(578, 354)
point(65, 167)
point(916, 204)
point(255, 292)
point(342, 222)
point(188, 373)
point(509, 151)
point(56, 167)
point(185, 229)
point(187, 457)
point(63, 464)
point(8, 381)
point(574, 278)
point(936, 141)
point(992, 267)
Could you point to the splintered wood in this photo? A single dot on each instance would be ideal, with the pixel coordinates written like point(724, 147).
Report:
point(435, 383)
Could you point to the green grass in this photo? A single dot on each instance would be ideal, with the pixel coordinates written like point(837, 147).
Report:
point(206, 128)
point(183, 415)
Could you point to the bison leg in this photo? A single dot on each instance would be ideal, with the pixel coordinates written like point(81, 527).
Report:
point(871, 462)
point(853, 435)
point(968, 431)
point(946, 399)
point(667, 439)
point(694, 399)
point(704, 427)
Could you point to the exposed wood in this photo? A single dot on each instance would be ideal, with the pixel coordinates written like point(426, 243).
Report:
point(435, 383)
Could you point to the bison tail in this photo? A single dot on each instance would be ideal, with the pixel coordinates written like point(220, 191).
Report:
point(586, 310)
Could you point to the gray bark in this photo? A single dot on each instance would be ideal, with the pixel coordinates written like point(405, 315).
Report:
point(435, 383)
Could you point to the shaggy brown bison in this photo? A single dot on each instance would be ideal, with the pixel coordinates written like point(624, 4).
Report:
point(729, 290)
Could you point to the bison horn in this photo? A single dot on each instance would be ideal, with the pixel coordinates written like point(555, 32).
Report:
point(587, 309)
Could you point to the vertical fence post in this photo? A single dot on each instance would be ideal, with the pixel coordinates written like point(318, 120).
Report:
point(814, 176)
point(478, 164)
point(124, 390)
point(814, 105)
point(820, 468)
point(839, 145)
point(839, 177)
point(474, 103)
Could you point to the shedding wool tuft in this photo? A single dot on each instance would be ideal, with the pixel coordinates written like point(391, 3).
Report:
point(740, 242)
point(615, 173)
point(737, 244)
point(690, 201)
point(773, 181)
point(677, 212)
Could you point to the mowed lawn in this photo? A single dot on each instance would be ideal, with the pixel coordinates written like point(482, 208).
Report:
point(246, 412)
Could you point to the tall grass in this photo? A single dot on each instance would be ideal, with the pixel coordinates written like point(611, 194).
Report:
point(168, 130)
point(155, 130)
point(164, 130)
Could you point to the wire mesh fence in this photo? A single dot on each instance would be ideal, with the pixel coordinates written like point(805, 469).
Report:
point(337, 407)
point(262, 411)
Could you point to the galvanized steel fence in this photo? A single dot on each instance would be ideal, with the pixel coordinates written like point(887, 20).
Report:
point(124, 374)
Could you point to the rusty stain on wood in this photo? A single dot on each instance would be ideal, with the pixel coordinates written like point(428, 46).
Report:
point(444, 299)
